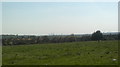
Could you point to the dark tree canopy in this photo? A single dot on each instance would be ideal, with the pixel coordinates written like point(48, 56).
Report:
point(118, 36)
point(97, 35)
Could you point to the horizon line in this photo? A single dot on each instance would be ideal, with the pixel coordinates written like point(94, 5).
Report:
point(56, 33)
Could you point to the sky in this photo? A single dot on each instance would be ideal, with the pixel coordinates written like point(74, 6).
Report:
point(41, 18)
point(0, 17)
point(59, 0)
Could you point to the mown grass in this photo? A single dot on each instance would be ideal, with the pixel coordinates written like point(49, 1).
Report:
point(74, 53)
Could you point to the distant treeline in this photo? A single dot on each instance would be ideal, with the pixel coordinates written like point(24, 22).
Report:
point(28, 39)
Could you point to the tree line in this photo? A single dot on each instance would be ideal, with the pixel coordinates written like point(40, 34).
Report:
point(21, 40)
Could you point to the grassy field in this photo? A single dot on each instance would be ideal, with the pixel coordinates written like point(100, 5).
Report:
point(0, 54)
point(74, 53)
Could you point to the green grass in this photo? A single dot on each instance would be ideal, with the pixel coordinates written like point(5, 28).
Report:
point(0, 54)
point(74, 53)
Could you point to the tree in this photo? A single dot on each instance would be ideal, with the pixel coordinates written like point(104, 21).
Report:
point(45, 39)
point(72, 38)
point(118, 36)
point(97, 36)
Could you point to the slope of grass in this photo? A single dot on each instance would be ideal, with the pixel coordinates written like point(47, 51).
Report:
point(75, 53)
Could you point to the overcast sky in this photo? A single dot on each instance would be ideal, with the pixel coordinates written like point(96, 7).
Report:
point(59, 17)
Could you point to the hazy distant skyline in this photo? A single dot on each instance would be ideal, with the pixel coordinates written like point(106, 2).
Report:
point(59, 17)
